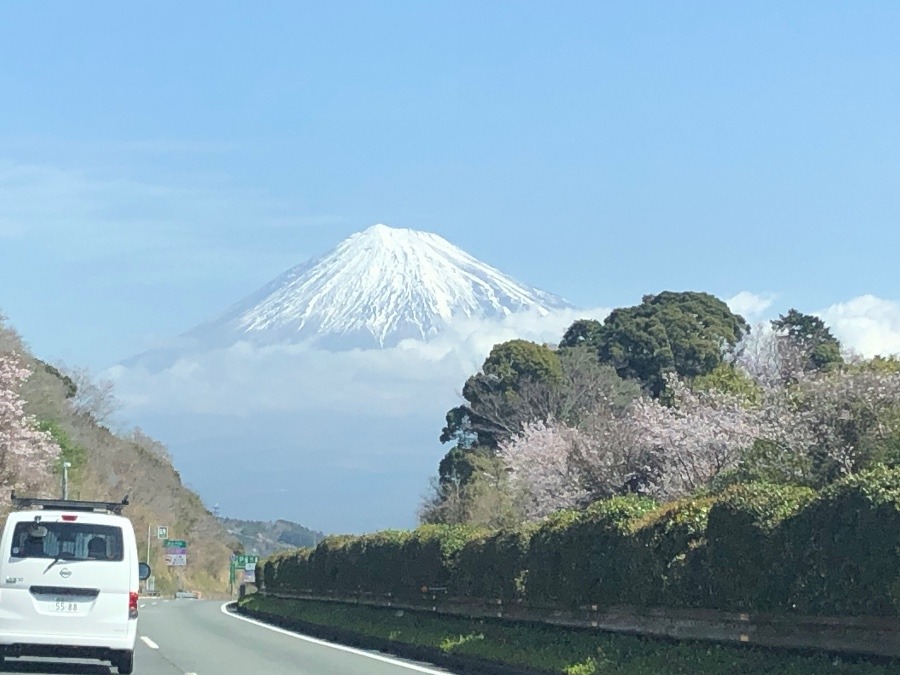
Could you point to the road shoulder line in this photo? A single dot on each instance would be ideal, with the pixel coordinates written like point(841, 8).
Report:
point(150, 643)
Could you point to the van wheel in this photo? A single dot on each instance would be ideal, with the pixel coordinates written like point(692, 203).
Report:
point(125, 663)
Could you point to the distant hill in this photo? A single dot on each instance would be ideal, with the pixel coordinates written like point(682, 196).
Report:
point(263, 538)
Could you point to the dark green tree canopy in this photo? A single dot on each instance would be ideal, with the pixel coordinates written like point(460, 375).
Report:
point(582, 332)
point(458, 465)
point(516, 360)
point(686, 333)
point(493, 407)
point(810, 334)
point(459, 428)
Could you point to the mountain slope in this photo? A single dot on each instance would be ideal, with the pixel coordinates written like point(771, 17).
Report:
point(108, 466)
point(264, 538)
point(376, 288)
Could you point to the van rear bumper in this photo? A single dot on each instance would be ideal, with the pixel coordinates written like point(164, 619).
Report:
point(74, 646)
point(61, 652)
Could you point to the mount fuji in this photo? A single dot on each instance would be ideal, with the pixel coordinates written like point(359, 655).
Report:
point(373, 290)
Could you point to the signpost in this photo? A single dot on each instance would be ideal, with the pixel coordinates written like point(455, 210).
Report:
point(162, 532)
point(175, 552)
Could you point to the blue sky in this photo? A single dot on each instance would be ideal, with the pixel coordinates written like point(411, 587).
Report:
point(159, 161)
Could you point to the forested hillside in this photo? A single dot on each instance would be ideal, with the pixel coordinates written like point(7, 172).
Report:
point(47, 417)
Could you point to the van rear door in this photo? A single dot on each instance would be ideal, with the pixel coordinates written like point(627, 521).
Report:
point(70, 574)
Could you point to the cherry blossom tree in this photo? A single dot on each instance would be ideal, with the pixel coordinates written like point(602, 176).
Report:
point(769, 357)
point(557, 465)
point(26, 453)
point(610, 458)
point(807, 428)
point(841, 421)
point(695, 438)
point(540, 462)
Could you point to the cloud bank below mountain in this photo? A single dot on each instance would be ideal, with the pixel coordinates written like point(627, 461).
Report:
point(244, 379)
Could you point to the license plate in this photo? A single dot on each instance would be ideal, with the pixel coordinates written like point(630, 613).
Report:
point(64, 606)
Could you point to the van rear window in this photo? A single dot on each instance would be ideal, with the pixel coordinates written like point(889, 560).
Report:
point(69, 541)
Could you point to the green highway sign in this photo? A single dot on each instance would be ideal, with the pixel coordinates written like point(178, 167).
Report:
point(174, 543)
point(244, 560)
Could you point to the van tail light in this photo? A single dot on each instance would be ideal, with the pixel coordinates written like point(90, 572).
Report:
point(132, 605)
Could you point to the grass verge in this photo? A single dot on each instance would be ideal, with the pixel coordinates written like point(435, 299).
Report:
point(550, 649)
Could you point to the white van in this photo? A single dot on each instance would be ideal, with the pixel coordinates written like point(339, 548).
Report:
point(69, 574)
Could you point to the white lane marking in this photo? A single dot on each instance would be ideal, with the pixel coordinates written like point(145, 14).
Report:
point(150, 643)
point(352, 650)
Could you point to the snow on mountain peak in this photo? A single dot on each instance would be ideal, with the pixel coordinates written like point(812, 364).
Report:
point(375, 288)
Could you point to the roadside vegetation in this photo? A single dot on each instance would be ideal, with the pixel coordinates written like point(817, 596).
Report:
point(559, 650)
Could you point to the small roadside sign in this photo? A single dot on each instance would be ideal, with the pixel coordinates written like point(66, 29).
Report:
point(175, 552)
point(162, 532)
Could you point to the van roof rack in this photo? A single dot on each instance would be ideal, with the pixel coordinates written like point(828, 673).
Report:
point(67, 504)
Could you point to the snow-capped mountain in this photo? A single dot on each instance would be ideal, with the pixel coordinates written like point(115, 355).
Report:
point(376, 288)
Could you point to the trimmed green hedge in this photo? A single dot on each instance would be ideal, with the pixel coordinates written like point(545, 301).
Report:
point(429, 557)
point(667, 560)
point(579, 558)
point(753, 547)
point(493, 565)
point(844, 548)
point(745, 545)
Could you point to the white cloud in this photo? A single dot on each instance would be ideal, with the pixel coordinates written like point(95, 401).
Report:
point(750, 305)
point(413, 377)
point(867, 324)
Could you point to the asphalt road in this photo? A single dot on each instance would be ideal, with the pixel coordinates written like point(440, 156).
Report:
point(197, 637)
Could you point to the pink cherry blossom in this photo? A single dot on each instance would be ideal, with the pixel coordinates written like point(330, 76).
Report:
point(26, 453)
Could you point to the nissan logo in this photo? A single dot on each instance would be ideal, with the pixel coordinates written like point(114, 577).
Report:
point(65, 573)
